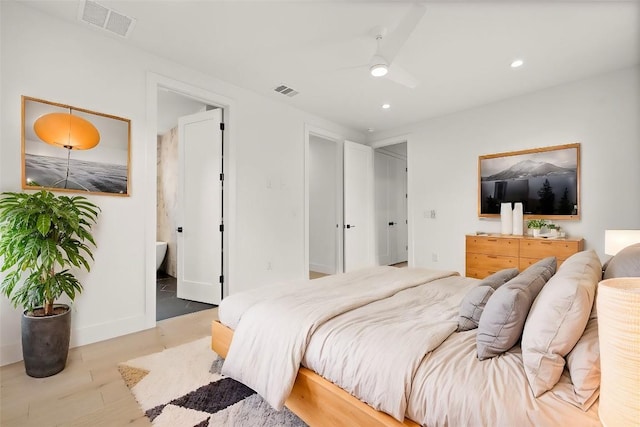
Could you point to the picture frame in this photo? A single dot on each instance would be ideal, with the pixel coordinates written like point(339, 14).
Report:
point(545, 180)
point(71, 149)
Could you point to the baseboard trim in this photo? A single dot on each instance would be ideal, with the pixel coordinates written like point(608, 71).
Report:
point(12, 353)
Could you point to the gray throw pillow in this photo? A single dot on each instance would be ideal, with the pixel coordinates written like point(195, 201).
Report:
point(626, 263)
point(472, 306)
point(499, 278)
point(503, 318)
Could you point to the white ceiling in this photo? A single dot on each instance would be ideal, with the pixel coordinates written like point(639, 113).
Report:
point(460, 51)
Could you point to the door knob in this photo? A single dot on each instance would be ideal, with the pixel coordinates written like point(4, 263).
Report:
point(349, 226)
point(179, 229)
point(392, 223)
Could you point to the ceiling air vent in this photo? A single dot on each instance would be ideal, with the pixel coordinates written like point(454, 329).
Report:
point(286, 90)
point(109, 20)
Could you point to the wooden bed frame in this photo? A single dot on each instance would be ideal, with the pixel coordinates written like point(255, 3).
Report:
point(316, 401)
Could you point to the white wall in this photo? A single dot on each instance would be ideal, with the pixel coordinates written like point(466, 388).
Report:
point(322, 205)
point(601, 113)
point(69, 63)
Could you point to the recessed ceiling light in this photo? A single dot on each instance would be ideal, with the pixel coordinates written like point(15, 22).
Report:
point(370, 129)
point(386, 106)
point(517, 63)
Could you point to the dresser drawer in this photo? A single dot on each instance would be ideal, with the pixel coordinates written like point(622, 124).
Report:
point(537, 249)
point(492, 246)
point(489, 263)
point(527, 262)
point(480, 273)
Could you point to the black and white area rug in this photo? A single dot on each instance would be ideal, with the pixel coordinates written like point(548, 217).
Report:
point(183, 387)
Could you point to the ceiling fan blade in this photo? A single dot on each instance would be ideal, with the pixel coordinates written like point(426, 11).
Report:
point(391, 44)
point(399, 75)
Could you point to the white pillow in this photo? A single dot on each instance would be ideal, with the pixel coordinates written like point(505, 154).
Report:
point(558, 318)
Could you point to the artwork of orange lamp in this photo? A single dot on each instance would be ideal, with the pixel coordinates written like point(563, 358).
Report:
point(67, 131)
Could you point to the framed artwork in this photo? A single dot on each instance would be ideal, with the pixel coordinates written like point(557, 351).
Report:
point(545, 180)
point(72, 149)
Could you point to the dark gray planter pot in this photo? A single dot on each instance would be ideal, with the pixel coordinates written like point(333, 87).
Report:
point(45, 343)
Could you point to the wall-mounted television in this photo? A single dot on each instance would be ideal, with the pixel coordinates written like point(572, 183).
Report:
point(545, 180)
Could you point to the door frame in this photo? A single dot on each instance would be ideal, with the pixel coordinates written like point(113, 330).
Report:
point(339, 145)
point(393, 141)
point(154, 83)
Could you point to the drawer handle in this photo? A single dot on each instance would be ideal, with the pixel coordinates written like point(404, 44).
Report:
point(546, 243)
point(492, 256)
point(492, 240)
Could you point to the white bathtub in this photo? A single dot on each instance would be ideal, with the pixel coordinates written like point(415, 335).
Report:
point(161, 250)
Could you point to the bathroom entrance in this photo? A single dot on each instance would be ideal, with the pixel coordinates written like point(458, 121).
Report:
point(189, 169)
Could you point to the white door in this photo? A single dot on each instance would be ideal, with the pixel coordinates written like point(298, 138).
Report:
point(400, 219)
point(383, 225)
point(199, 239)
point(325, 204)
point(391, 208)
point(358, 206)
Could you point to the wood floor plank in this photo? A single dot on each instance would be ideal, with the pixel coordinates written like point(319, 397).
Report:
point(90, 390)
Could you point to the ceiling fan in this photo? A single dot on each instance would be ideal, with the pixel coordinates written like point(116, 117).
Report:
point(390, 44)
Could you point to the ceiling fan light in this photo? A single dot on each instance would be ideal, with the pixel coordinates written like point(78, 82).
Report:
point(379, 70)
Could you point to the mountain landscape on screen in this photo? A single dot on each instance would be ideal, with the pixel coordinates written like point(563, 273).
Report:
point(529, 169)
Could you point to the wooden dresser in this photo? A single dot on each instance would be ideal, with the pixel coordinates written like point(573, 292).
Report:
point(487, 254)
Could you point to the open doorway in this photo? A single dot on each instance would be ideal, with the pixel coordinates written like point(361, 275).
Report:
point(391, 197)
point(171, 107)
point(324, 206)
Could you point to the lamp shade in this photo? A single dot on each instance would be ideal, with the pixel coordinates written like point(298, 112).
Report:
point(618, 307)
point(617, 240)
point(66, 130)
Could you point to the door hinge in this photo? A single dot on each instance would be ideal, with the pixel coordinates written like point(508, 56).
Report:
point(221, 126)
point(221, 279)
point(221, 177)
point(221, 228)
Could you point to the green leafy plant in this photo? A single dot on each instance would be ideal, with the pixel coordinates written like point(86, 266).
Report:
point(41, 236)
point(536, 223)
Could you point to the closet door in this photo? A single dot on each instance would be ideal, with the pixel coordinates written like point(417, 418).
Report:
point(358, 206)
point(384, 225)
point(399, 199)
point(391, 208)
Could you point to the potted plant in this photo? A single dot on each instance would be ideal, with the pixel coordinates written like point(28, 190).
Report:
point(536, 225)
point(42, 236)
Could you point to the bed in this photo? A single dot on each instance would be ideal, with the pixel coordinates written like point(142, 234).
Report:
point(399, 357)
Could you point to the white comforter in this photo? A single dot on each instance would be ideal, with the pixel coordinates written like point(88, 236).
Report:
point(393, 337)
point(271, 337)
point(453, 388)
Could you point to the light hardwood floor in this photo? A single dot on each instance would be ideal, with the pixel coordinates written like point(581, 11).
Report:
point(90, 391)
point(316, 275)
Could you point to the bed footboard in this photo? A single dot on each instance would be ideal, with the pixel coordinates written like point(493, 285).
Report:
point(316, 401)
